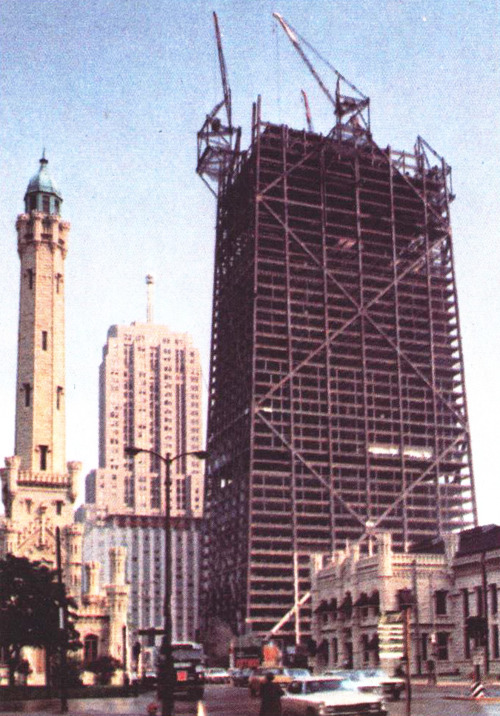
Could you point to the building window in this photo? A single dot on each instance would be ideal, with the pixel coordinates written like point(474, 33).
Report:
point(441, 602)
point(29, 504)
point(27, 394)
point(44, 449)
point(45, 340)
point(365, 650)
point(59, 394)
point(58, 278)
point(30, 273)
point(495, 644)
point(45, 204)
point(494, 599)
point(442, 645)
point(59, 507)
point(90, 648)
point(335, 650)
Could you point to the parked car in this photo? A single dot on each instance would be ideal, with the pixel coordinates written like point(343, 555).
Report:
point(321, 695)
point(241, 676)
point(372, 681)
point(391, 686)
point(216, 675)
point(282, 676)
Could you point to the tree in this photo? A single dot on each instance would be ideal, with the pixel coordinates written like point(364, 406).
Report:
point(104, 667)
point(217, 641)
point(30, 598)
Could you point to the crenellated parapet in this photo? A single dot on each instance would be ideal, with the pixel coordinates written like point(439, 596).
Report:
point(36, 228)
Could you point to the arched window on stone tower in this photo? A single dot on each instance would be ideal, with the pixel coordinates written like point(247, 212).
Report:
point(90, 648)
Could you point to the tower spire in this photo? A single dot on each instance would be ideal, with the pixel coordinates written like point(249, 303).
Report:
point(149, 306)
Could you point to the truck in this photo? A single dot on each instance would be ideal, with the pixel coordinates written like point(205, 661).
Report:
point(189, 660)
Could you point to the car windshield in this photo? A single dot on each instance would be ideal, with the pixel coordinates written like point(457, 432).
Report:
point(181, 653)
point(374, 673)
point(345, 674)
point(297, 673)
point(314, 687)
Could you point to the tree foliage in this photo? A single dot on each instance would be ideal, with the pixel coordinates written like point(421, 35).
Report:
point(217, 641)
point(30, 598)
point(104, 667)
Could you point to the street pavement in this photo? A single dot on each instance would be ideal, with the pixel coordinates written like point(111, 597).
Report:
point(223, 700)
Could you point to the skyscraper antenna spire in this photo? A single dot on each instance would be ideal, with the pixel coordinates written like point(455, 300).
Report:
point(149, 306)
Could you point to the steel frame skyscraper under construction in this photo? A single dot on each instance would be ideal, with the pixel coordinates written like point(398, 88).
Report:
point(337, 400)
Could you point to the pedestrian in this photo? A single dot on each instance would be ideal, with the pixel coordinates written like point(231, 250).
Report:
point(270, 694)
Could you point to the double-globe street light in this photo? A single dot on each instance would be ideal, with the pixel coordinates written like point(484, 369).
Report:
point(166, 672)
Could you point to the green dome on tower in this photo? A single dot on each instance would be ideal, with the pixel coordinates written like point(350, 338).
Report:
point(42, 193)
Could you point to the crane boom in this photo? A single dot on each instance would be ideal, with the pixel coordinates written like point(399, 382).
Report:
point(223, 71)
point(352, 112)
point(295, 42)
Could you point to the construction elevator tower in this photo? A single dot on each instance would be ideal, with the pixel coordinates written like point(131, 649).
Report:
point(337, 399)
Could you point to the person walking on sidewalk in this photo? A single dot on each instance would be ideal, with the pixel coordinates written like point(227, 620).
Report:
point(270, 694)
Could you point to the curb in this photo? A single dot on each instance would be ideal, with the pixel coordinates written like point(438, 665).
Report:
point(487, 699)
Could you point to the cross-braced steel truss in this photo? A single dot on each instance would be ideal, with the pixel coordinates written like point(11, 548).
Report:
point(337, 397)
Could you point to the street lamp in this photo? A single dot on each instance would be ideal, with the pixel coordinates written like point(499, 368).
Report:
point(166, 674)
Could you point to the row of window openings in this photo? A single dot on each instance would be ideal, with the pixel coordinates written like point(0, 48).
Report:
point(30, 273)
point(441, 597)
point(58, 503)
point(440, 649)
point(28, 390)
point(45, 204)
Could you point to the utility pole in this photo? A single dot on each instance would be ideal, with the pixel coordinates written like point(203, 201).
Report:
point(407, 643)
point(63, 634)
point(484, 606)
point(418, 641)
point(166, 670)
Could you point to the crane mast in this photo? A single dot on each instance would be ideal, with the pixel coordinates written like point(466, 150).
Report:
point(218, 142)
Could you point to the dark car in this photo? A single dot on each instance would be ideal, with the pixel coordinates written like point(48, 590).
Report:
point(241, 676)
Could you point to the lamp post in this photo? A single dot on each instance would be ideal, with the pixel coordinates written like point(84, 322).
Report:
point(166, 675)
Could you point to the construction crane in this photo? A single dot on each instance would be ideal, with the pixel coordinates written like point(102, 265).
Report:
point(348, 110)
point(310, 127)
point(223, 71)
point(218, 142)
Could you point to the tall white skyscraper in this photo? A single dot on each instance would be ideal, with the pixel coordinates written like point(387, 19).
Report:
point(150, 398)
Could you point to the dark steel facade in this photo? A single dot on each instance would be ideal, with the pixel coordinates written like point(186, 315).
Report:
point(337, 399)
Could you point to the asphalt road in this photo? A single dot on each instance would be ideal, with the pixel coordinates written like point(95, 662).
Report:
point(230, 701)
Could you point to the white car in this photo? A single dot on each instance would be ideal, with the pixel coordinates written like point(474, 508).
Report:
point(375, 681)
point(216, 675)
point(328, 696)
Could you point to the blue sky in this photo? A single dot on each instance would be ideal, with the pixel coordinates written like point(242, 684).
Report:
point(116, 91)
